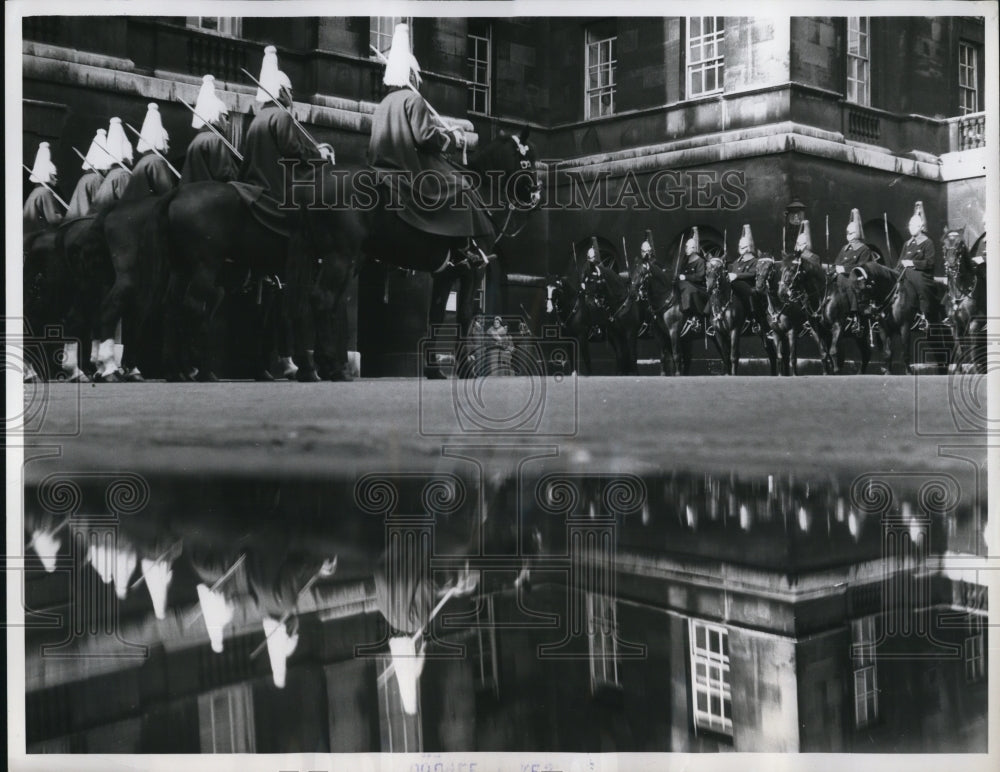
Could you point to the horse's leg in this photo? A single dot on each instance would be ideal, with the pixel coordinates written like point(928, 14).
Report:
point(904, 348)
point(441, 285)
point(736, 328)
point(836, 357)
point(791, 336)
point(864, 350)
point(663, 341)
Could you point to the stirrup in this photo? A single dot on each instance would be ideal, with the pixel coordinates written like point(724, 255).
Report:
point(920, 323)
point(853, 325)
point(691, 325)
point(710, 330)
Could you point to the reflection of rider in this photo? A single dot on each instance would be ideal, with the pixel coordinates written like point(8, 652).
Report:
point(854, 253)
point(918, 261)
point(407, 149)
point(691, 283)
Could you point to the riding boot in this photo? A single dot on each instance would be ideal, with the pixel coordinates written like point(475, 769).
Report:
point(307, 372)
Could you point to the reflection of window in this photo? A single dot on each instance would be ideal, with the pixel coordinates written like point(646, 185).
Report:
point(705, 58)
point(858, 61)
point(600, 84)
point(975, 663)
point(602, 624)
point(479, 67)
point(865, 670)
point(381, 28)
point(710, 687)
point(968, 78)
point(226, 718)
point(231, 26)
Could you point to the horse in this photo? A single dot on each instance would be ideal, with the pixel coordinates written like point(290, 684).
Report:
point(965, 299)
point(669, 321)
point(732, 312)
point(571, 313)
point(892, 304)
point(213, 244)
point(613, 308)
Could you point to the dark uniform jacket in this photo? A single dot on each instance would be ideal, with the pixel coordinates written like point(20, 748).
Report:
point(41, 210)
point(853, 256)
point(208, 159)
point(745, 267)
point(406, 141)
point(83, 195)
point(692, 286)
point(920, 250)
point(272, 136)
point(112, 188)
point(150, 177)
point(812, 257)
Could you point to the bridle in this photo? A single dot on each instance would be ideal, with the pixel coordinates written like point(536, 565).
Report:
point(717, 272)
point(536, 194)
point(954, 254)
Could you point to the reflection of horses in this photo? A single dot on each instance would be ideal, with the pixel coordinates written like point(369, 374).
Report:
point(965, 300)
point(892, 305)
point(826, 306)
point(612, 306)
point(731, 313)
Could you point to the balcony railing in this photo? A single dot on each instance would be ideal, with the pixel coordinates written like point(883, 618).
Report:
point(218, 55)
point(972, 131)
point(863, 125)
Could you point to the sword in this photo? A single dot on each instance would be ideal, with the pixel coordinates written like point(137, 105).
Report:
point(625, 252)
point(677, 265)
point(828, 235)
point(430, 108)
point(291, 115)
point(158, 153)
point(46, 186)
point(217, 132)
point(84, 159)
point(888, 246)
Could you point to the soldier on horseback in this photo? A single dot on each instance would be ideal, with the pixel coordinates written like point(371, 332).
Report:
point(854, 253)
point(917, 261)
point(691, 284)
point(95, 166)
point(743, 275)
point(151, 175)
point(42, 208)
point(119, 151)
point(803, 245)
point(208, 157)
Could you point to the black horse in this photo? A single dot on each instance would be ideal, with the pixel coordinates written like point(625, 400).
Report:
point(892, 304)
point(733, 313)
point(613, 307)
point(965, 300)
point(571, 312)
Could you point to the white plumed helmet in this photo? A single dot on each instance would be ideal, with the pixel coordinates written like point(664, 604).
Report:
point(400, 61)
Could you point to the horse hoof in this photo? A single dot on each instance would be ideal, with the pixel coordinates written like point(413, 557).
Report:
point(434, 374)
point(290, 374)
point(135, 377)
point(79, 377)
point(112, 377)
point(339, 376)
point(206, 377)
point(263, 376)
point(306, 375)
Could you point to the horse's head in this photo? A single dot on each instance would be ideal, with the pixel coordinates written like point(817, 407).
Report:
point(763, 272)
point(510, 161)
point(954, 253)
point(863, 280)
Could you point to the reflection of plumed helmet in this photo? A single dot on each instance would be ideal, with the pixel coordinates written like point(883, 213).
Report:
point(46, 544)
point(591, 253)
point(118, 144)
point(208, 107)
point(855, 224)
point(153, 136)
point(919, 217)
point(157, 575)
point(400, 61)
point(271, 78)
point(97, 158)
point(217, 613)
point(113, 565)
point(804, 240)
point(595, 251)
point(647, 245)
point(746, 240)
point(43, 170)
point(280, 646)
point(693, 244)
point(408, 665)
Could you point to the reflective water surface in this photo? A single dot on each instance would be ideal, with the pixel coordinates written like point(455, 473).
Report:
point(545, 611)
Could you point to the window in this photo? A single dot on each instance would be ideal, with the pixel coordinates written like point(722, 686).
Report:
point(975, 663)
point(602, 626)
point(704, 54)
point(381, 28)
point(226, 719)
point(968, 79)
point(600, 84)
point(863, 637)
point(231, 26)
point(479, 67)
point(710, 687)
point(858, 61)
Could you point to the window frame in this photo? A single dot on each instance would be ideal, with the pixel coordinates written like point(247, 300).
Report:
point(864, 635)
point(974, 661)
point(972, 69)
point(718, 686)
point(853, 75)
point(478, 87)
point(701, 65)
point(609, 67)
point(602, 641)
point(229, 26)
point(375, 28)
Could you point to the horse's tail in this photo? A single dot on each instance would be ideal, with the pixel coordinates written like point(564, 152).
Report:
point(155, 267)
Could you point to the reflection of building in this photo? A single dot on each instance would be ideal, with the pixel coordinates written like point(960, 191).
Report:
point(693, 635)
point(726, 120)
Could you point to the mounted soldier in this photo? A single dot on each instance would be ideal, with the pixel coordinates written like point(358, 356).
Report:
point(95, 166)
point(152, 174)
point(917, 262)
point(803, 245)
point(42, 208)
point(854, 253)
point(208, 157)
point(691, 284)
point(119, 151)
point(743, 275)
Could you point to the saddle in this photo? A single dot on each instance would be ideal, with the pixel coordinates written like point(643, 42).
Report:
point(263, 208)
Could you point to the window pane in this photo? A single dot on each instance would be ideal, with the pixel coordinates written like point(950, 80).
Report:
point(695, 27)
